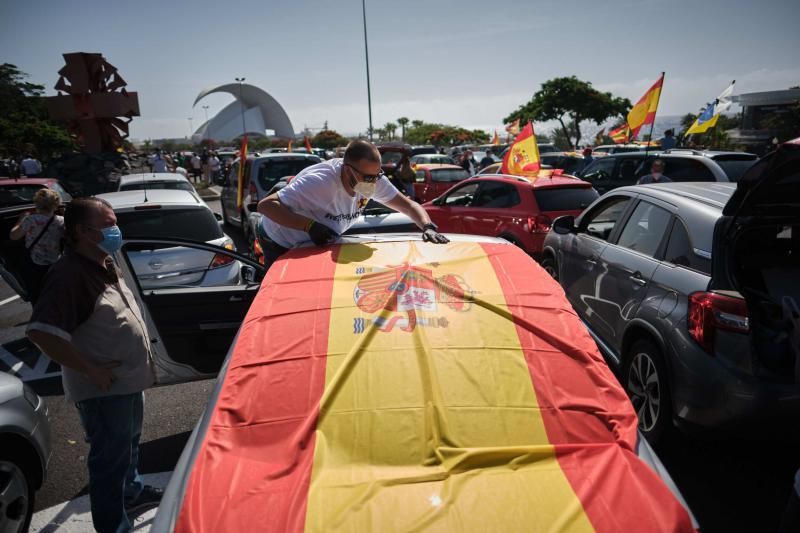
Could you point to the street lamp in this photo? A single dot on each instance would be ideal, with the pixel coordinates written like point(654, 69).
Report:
point(205, 134)
point(366, 54)
point(241, 106)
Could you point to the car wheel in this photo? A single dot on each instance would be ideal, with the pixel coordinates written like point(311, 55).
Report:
point(549, 265)
point(645, 380)
point(16, 497)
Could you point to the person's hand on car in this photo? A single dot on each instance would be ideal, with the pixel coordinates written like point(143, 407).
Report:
point(430, 234)
point(320, 233)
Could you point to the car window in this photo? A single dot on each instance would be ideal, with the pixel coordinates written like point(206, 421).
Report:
point(600, 222)
point(735, 165)
point(645, 229)
point(602, 169)
point(65, 196)
point(233, 175)
point(565, 199)
point(194, 223)
point(680, 251)
point(627, 170)
point(625, 149)
point(461, 196)
point(17, 194)
point(686, 169)
point(419, 176)
point(496, 194)
point(390, 157)
point(449, 175)
point(173, 185)
point(270, 171)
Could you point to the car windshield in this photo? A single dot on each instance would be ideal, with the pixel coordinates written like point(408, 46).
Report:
point(14, 194)
point(271, 170)
point(449, 175)
point(140, 185)
point(390, 157)
point(735, 165)
point(566, 199)
point(194, 224)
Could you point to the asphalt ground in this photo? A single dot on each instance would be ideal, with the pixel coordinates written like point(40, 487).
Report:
point(732, 482)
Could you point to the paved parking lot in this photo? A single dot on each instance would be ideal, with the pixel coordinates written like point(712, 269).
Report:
point(731, 483)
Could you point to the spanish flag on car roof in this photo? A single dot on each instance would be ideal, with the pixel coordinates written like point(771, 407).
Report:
point(620, 135)
point(522, 159)
point(644, 112)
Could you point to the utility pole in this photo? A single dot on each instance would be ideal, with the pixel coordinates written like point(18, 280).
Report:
point(191, 129)
point(205, 134)
point(241, 105)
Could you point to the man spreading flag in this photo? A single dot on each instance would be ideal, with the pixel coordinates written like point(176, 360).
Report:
point(644, 112)
point(513, 128)
point(708, 118)
point(242, 162)
point(308, 143)
point(522, 159)
point(620, 135)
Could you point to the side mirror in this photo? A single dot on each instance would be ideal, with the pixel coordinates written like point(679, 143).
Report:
point(252, 207)
point(564, 225)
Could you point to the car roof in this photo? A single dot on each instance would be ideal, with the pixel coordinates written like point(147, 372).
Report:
point(150, 176)
point(27, 181)
point(164, 197)
point(540, 182)
point(282, 155)
point(433, 166)
point(684, 152)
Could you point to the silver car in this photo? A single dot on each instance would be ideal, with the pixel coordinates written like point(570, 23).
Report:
point(24, 451)
point(155, 180)
point(173, 214)
point(691, 292)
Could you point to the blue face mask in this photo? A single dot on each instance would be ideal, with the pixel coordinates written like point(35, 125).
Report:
point(112, 239)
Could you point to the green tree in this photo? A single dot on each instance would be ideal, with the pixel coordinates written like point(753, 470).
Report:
point(328, 139)
point(390, 128)
point(570, 100)
point(24, 122)
point(786, 125)
point(417, 123)
point(403, 121)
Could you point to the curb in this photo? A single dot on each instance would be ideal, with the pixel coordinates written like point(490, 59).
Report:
point(210, 193)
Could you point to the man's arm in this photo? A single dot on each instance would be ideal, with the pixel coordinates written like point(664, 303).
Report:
point(66, 354)
point(272, 208)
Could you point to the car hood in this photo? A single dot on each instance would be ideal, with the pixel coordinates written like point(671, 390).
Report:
point(402, 385)
point(771, 186)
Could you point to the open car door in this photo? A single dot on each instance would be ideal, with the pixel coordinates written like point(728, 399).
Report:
point(12, 253)
point(191, 328)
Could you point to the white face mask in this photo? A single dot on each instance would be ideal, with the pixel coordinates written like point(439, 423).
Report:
point(365, 189)
point(656, 175)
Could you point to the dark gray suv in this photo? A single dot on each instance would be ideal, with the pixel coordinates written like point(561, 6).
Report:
point(692, 292)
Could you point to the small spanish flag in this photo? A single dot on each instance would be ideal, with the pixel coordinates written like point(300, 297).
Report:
point(513, 128)
point(620, 135)
point(644, 112)
point(242, 164)
point(289, 147)
point(495, 139)
point(522, 159)
point(308, 143)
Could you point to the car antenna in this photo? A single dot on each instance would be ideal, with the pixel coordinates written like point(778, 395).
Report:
point(144, 184)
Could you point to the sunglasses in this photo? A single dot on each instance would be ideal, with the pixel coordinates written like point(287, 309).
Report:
point(368, 178)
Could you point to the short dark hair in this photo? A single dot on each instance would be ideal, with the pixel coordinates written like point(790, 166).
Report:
point(359, 150)
point(659, 162)
point(78, 211)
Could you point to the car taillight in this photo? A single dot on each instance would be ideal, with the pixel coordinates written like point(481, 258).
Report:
point(259, 253)
point(709, 312)
point(220, 260)
point(539, 224)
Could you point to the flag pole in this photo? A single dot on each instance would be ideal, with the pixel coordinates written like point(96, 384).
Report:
point(658, 101)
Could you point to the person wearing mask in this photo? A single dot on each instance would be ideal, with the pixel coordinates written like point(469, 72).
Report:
point(656, 174)
point(43, 231)
point(30, 166)
point(325, 199)
point(89, 322)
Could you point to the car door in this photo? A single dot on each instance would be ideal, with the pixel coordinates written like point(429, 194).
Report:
point(629, 264)
point(448, 211)
point(579, 256)
point(491, 212)
point(191, 328)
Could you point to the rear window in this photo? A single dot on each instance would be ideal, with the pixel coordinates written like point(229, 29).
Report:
point(566, 199)
point(174, 185)
point(449, 175)
point(270, 171)
point(735, 165)
point(11, 195)
point(390, 157)
point(195, 224)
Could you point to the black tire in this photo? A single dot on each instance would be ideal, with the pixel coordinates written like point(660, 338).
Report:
point(17, 486)
point(549, 265)
point(646, 381)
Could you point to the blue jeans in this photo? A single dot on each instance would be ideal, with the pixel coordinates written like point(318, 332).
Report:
point(113, 425)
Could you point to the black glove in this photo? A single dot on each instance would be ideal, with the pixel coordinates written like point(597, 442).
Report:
point(429, 234)
point(320, 233)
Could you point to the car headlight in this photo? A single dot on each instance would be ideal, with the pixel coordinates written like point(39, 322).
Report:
point(31, 397)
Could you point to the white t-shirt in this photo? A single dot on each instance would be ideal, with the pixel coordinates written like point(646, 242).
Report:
point(317, 193)
point(196, 162)
point(159, 164)
point(213, 162)
point(31, 167)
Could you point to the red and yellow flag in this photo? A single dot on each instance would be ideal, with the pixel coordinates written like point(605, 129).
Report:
point(242, 164)
point(620, 135)
point(307, 143)
point(522, 159)
point(644, 112)
point(513, 128)
point(495, 139)
point(289, 146)
point(419, 387)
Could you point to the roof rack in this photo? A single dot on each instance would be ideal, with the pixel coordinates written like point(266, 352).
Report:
point(682, 150)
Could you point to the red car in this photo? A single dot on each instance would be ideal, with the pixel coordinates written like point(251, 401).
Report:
point(432, 180)
point(517, 209)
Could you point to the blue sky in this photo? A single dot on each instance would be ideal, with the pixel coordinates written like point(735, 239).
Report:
point(454, 61)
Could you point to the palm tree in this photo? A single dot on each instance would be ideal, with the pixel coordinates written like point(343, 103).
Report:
point(390, 128)
point(402, 121)
point(417, 123)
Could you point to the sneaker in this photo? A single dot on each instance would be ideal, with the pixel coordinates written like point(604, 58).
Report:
point(149, 497)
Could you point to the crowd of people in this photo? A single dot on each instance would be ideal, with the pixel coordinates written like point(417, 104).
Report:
point(204, 166)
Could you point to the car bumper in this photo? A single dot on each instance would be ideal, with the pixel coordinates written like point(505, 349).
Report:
point(709, 393)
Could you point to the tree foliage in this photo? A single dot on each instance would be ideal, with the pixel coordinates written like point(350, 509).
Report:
point(328, 139)
point(24, 123)
point(441, 134)
point(570, 101)
point(786, 125)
